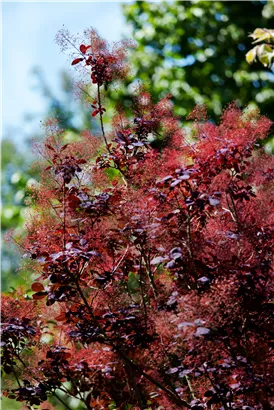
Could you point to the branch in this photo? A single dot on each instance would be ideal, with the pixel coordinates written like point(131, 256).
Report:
point(173, 396)
point(101, 116)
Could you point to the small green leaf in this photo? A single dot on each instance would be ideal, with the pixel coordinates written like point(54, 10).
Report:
point(133, 282)
point(251, 55)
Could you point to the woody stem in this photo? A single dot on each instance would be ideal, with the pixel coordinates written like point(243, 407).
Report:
point(101, 115)
point(173, 396)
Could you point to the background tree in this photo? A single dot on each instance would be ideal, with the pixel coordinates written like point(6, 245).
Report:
point(196, 50)
point(16, 179)
point(70, 112)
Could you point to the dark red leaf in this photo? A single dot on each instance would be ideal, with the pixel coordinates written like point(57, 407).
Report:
point(76, 61)
point(39, 295)
point(83, 48)
point(49, 147)
point(95, 112)
point(64, 147)
point(61, 317)
point(37, 287)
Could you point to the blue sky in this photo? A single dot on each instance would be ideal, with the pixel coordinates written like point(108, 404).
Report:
point(28, 31)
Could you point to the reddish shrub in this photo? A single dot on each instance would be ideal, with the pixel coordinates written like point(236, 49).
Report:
point(154, 265)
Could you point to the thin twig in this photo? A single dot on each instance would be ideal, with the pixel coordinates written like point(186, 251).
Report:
point(190, 387)
point(173, 396)
point(64, 213)
point(120, 261)
point(101, 116)
point(142, 292)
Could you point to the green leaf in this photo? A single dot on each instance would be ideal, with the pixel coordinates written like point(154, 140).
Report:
point(262, 34)
point(251, 55)
point(133, 283)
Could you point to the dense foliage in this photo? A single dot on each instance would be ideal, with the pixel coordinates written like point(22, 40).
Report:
point(196, 49)
point(16, 170)
point(153, 267)
point(16, 178)
point(264, 49)
point(169, 56)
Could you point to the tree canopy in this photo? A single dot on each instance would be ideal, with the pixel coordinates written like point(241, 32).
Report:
point(196, 50)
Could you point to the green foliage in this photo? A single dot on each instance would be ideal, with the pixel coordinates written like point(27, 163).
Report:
point(264, 53)
point(268, 9)
point(133, 283)
point(8, 404)
point(196, 50)
point(16, 180)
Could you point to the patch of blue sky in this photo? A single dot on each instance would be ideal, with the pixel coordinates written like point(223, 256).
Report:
point(28, 32)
